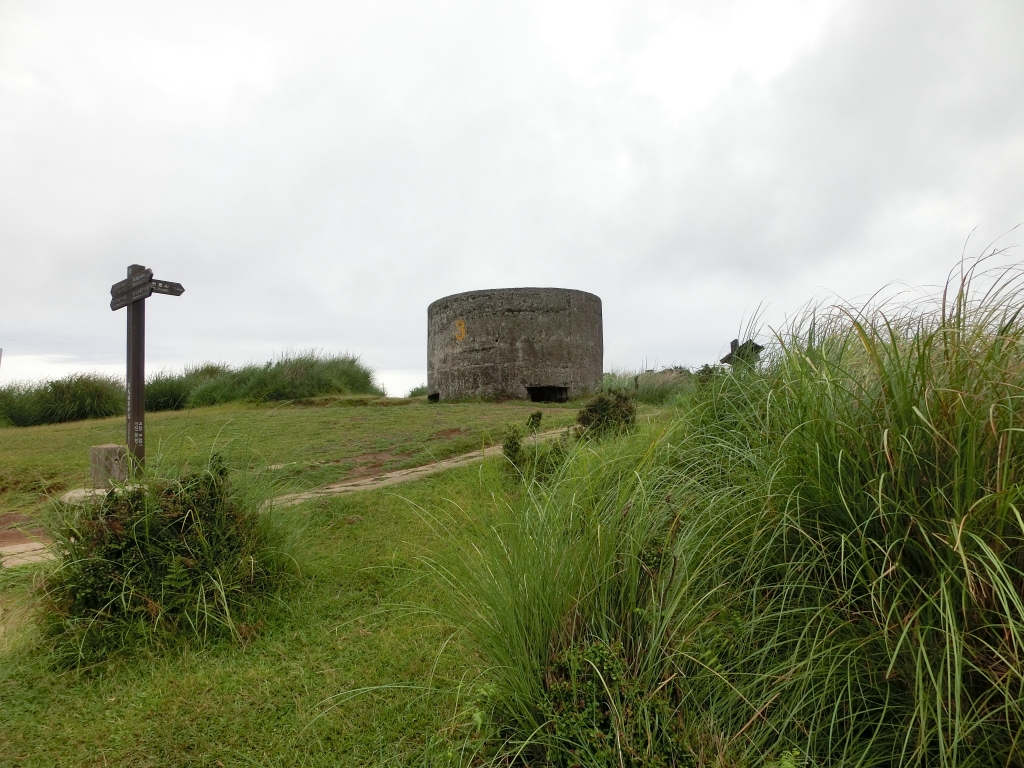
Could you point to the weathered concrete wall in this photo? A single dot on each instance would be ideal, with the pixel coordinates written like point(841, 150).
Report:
point(504, 342)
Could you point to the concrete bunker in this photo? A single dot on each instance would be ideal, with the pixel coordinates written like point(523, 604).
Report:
point(539, 344)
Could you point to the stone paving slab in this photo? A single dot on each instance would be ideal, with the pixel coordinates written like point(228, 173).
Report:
point(27, 552)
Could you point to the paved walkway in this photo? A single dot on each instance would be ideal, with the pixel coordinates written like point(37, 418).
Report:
point(34, 551)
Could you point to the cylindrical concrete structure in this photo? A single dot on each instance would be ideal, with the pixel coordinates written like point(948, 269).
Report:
point(543, 344)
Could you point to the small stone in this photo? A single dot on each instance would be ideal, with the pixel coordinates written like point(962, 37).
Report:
point(81, 495)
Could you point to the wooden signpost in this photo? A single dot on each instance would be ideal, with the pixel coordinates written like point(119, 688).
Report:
point(747, 352)
point(132, 292)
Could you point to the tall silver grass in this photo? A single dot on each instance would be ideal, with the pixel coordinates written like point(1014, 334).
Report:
point(821, 556)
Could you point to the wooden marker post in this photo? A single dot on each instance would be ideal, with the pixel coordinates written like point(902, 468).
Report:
point(132, 292)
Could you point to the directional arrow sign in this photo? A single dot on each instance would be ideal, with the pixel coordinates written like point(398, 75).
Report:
point(170, 289)
point(136, 294)
point(132, 282)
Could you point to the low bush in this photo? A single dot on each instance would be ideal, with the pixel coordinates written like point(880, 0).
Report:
point(706, 374)
point(512, 444)
point(604, 413)
point(818, 560)
point(420, 391)
point(159, 561)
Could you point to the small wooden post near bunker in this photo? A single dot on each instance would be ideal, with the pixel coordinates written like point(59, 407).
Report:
point(132, 292)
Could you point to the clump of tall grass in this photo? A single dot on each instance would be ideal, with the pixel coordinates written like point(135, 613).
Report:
point(74, 397)
point(295, 377)
point(819, 559)
point(168, 391)
point(529, 458)
point(161, 560)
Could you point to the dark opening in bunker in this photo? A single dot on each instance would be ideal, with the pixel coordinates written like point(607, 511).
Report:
point(434, 397)
point(548, 394)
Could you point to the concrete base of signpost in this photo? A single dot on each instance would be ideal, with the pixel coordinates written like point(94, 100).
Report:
point(108, 464)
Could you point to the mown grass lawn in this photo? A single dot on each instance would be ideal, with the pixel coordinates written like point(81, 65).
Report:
point(311, 443)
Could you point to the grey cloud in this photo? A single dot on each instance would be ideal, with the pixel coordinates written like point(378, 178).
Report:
point(316, 176)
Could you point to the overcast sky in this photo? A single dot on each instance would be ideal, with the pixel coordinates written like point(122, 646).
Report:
point(316, 173)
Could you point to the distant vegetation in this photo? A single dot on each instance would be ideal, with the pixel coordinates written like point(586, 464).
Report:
point(91, 396)
point(652, 387)
point(420, 391)
point(816, 560)
point(75, 397)
point(290, 378)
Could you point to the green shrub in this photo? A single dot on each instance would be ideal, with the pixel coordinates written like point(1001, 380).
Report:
point(587, 689)
point(512, 444)
point(420, 391)
point(607, 412)
point(533, 421)
point(165, 559)
point(816, 561)
point(706, 374)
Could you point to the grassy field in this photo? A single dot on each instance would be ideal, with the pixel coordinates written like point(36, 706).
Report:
point(270, 702)
point(317, 442)
point(285, 697)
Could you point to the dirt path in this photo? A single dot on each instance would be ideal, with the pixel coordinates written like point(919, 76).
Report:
point(400, 475)
point(24, 548)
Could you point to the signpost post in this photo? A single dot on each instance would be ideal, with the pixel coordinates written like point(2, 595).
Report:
point(132, 293)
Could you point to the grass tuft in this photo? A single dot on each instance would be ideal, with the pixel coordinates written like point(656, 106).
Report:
point(161, 560)
point(167, 391)
point(606, 413)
